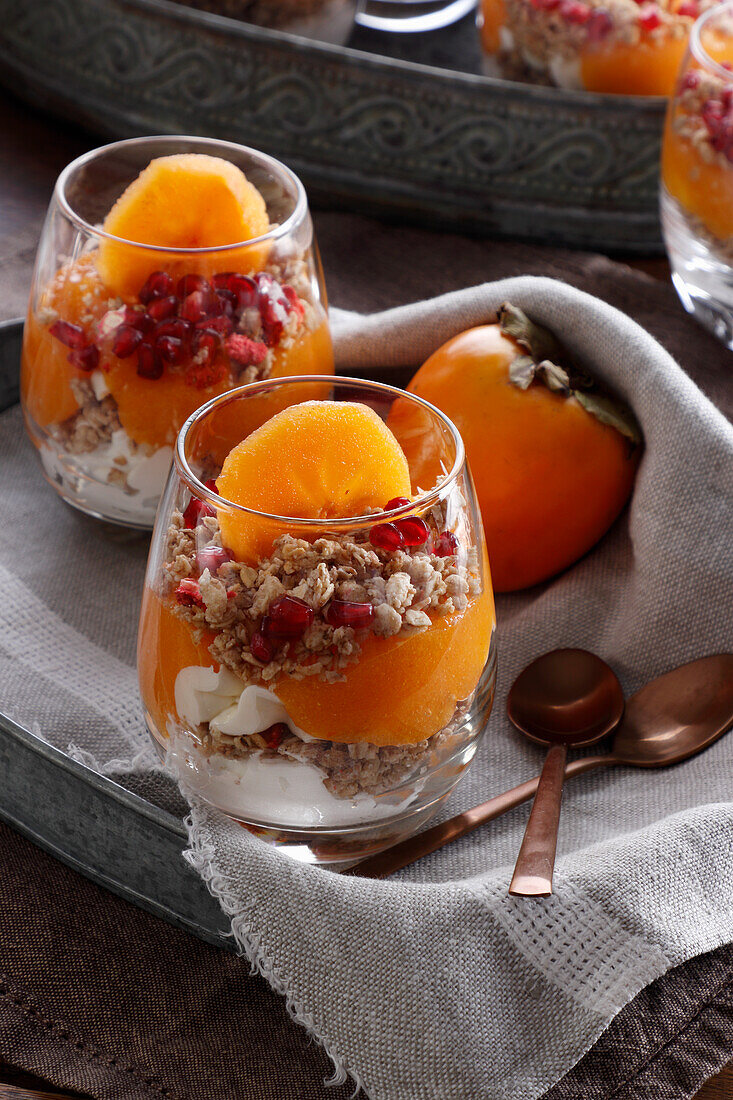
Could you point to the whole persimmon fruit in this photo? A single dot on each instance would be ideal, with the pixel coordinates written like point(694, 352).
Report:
point(552, 455)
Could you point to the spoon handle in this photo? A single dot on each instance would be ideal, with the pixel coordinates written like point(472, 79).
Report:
point(536, 860)
point(430, 840)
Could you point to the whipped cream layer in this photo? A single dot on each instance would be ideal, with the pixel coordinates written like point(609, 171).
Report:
point(261, 786)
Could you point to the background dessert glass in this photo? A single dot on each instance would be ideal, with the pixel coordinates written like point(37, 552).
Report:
point(612, 46)
point(123, 341)
point(697, 175)
point(387, 728)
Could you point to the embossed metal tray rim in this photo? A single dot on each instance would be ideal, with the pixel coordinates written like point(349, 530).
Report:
point(399, 136)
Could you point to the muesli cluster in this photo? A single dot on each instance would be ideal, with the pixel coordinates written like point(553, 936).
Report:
point(305, 610)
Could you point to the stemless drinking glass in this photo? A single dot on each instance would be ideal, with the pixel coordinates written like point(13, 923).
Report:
point(697, 175)
point(322, 681)
point(125, 340)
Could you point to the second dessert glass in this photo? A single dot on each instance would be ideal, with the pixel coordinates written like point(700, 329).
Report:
point(323, 681)
point(697, 175)
point(123, 340)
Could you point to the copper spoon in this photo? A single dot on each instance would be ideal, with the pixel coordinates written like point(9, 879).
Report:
point(667, 721)
point(568, 697)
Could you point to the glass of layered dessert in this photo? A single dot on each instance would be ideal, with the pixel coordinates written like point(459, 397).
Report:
point(697, 175)
point(613, 46)
point(169, 270)
point(316, 637)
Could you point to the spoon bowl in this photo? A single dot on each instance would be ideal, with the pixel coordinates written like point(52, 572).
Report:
point(566, 697)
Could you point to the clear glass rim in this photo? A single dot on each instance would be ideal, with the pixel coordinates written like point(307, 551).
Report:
point(697, 49)
point(275, 166)
point(420, 503)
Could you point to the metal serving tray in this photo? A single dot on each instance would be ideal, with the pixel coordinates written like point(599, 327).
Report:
point(85, 820)
point(401, 136)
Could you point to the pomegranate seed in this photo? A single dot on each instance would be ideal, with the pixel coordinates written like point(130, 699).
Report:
point(182, 330)
point(127, 340)
point(690, 80)
point(414, 530)
point(386, 536)
point(545, 5)
point(287, 617)
point(211, 484)
point(446, 544)
point(244, 350)
point(245, 289)
point(229, 301)
point(221, 325)
point(190, 283)
point(149, 365)
point(600, 25)
point(170, 349)
point(211, 558)
point(158, 285)
point(163, 308)
point(197, 305)
point(397, 502)
point(349, 613)
point(262, 648)
point(71, 335)
point(188, 593)
point(85, 358)
point(141, 321)
point(573, 11)
point(207, 341)
point(220, 281)
point(649, 17)
point(195, 511)
point(275, 735)
point(689, 8)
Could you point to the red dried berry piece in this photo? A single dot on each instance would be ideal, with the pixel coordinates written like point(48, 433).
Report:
point(600, 25)
point(287, 617)
point(349, 613)
point(212, 558)
point(188, 593)
point(73, 336)
point(386, 536)
point(190, 283)
point(220, 325)
point(163, 308)
point(446, 544)
point(197, 305)
point(149, 365)
point(294, 303)
point(85, 358)
point(414, 530)
point(262, 648)
point(250, 353)
point(127, 340)
point(397, 502)
point(574, 11)
point(649, 17)
point(275, 735)
point(158, 285)
point(170, 349)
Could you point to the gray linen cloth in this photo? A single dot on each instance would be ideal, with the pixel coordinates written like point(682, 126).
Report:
point(436, 984)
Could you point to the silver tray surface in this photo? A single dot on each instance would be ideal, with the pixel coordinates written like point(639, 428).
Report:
point(399, 136)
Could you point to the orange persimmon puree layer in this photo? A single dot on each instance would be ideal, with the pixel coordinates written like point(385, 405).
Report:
point(647, 68)
point(401, 690)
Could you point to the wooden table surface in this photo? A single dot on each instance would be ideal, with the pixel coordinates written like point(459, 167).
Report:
point(33, 150)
